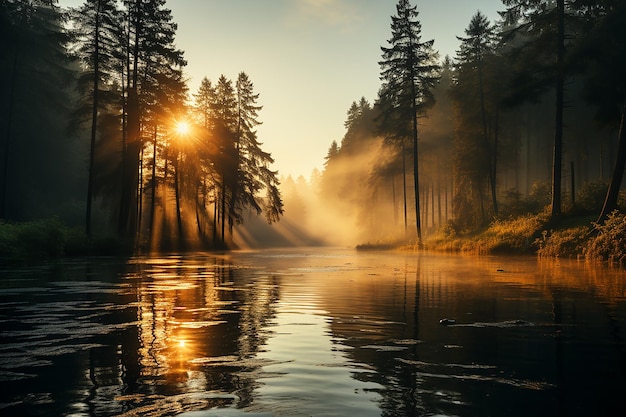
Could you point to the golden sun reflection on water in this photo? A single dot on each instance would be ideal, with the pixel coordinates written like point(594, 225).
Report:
point(191, 320)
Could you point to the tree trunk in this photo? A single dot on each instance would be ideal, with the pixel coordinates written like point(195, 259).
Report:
point(573, 182)
point(223, 211)
point(7, 142)
point(490, 157)
point(215, 215)
point(406, 227)
point(439, 218)
point(94, 122)
point(394, 201)
point(558, 134)
point(610, 201)
point(432, 205)
point(154, 185)
point(179, 220)
point(198, 220)
point(130, 181)
point(494, 161)
point(481, 200)
point(140, 193)
point(418, 225)
point(128, 206)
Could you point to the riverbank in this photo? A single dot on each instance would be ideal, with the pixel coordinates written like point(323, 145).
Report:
point(49, 238)
point(46, 239)
point(573, 236)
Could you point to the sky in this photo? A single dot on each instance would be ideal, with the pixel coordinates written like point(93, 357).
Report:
point(308, 59)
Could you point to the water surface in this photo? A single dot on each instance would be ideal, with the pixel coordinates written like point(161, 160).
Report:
point(320, 332)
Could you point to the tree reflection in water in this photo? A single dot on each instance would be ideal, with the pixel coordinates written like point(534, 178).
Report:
point(200, 326)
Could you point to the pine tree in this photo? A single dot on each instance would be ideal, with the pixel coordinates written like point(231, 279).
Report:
point(204, 100)
point(234, 164)
point(154, 64)
point(225, 122)
point(96, 28)
point(476, 97)
point(542, 24)
point(204, 103)
point(254, 163)
point(408, 71)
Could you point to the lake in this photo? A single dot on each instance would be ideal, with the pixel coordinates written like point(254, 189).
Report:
point(313, 332)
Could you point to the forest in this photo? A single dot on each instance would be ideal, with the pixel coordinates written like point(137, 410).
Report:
point(118, 144)
point(515, 144)
point(104, 147)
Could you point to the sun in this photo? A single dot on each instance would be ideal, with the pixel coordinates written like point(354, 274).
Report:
point(182, 127)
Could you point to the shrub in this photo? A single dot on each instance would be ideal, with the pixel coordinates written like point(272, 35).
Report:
point(568, 242)
point(590, 196)
point(29, 240)
point(513, 204)
point(516, 234)
point(8, 241)
point(449, 229)
point(609, 243)
point(540, 196)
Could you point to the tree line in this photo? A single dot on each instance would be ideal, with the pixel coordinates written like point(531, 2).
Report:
point(160, 168)
point(528, 114)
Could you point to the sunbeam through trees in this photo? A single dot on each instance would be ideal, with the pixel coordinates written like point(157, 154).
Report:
point(102, 135)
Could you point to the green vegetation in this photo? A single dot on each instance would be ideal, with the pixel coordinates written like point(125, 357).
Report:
point(40, 240)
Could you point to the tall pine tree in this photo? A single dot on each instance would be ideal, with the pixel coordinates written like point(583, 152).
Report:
point(409, 71)
point(154, 65)
point(541, 23)
point(96, 29)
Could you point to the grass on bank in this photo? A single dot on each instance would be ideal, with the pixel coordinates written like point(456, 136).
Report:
point(502, 236)
point(575, 236)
